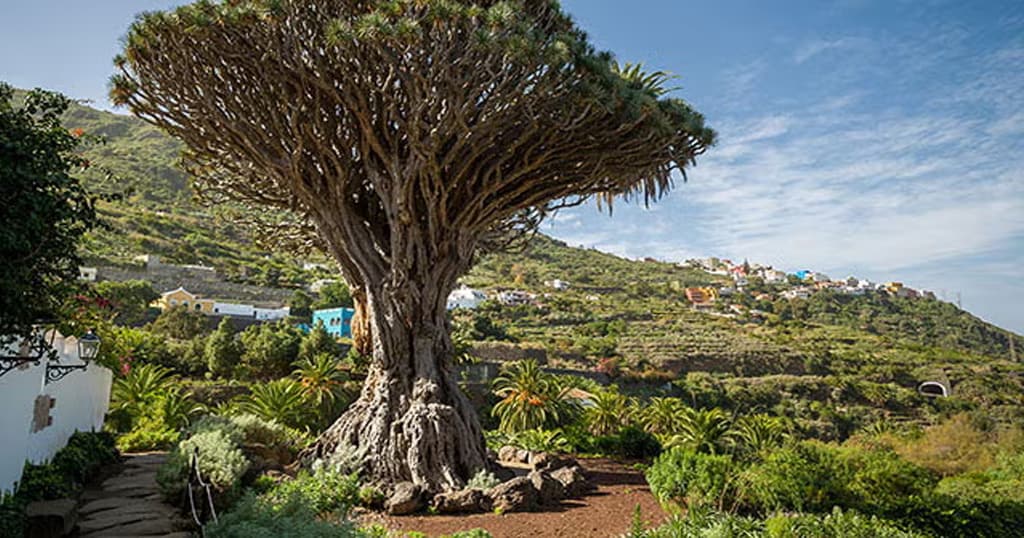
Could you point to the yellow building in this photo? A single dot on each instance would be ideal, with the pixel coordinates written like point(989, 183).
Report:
point(183, 297)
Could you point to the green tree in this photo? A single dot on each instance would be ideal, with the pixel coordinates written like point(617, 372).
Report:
point(129, 298)
point(702, 430)
point(609, 413)
point(301, 305)
point(45, 210)
point(270, 348)
point(179, 322)
point(333, 295)
point(318, 342)
point(223, 351)
point(324, 384)
point(437, 127)
point(530, 398)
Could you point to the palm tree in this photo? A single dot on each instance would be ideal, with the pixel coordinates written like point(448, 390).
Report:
point(661, 417)
point(283, 400)
point(178, 408)
point(142, 385)
point(324, 385)
point(755, 433)
point(701, 430)
point(530, 398)
point(609, 413)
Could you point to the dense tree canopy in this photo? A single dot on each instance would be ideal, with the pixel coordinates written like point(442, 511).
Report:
point(406, 133)
point(44, 213)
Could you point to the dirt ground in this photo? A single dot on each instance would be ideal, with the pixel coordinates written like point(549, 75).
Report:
point(606, 512)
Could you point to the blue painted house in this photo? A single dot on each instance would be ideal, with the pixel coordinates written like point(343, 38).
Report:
point(337, 321)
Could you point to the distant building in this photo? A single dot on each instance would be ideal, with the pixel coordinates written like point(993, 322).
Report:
point(771, 276)
point(797, 293)
point(318, 285)
point(213, 307)
point(701, 296)
point(87, 274)
point(337, 321)
point(465, 297)
point(515, 298)
point(148, 260)
point(269, 314)
point(559, 285)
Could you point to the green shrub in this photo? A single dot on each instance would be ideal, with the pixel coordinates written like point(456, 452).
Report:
point(838, 523)
point(43, 482)
point(253, 518)
point(474, 533)
point(371, 497)
point(148, 434)
point(324, 491)
point(84, 454)
point(483, 479)
point(694, 480)
point(12, 516)
point(807, 476)
point(221, 463)
point(630, 442)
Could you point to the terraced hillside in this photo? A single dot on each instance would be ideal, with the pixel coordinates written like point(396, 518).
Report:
point(831, 362)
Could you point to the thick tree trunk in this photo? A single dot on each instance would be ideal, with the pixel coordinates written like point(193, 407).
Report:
point(411, 421)
point(362, 339)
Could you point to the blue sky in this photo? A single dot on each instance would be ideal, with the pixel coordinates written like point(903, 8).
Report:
point(880, 138)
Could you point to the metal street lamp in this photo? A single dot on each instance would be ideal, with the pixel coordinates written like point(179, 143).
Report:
point(88, 349)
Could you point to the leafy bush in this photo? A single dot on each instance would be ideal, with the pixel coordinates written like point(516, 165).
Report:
point(283, 400)
point(255, 518)
point(12, 516)
point(630, 442)
point(806, 476)
point(483, 479)
point(838, 523)
point(148, 434)
point(221, 463)
point(694, 480)
point(84, 454)
point(323, 491)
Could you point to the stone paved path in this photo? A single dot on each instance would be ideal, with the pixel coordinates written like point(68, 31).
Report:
point(129, 504)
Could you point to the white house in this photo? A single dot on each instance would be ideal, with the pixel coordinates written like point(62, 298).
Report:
point(797, 293)
point(234, 310)
point(772, 276)
point(557, 284)
point(514, 298)
point(267, 314)
point(465, 297)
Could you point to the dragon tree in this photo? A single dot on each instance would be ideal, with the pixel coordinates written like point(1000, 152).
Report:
point(404, 135)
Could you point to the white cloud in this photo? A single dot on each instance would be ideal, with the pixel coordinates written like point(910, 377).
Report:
point(813, 48)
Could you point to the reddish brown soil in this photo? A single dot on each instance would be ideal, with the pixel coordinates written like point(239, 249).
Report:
point(606, 512)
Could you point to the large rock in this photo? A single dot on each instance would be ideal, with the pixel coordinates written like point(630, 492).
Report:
point(516, 495)
point(406, 499)
point(573, 480)
point(464, 501)
point(549, 490)
point(507, 453)
point(51, 518)
point(543, 461)
point(522, 456)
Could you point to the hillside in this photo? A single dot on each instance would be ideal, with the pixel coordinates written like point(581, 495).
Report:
point(862, 355)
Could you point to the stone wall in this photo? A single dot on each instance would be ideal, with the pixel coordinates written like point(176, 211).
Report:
point(205, 282)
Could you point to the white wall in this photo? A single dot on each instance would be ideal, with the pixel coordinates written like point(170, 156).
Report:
point(233, 309)
point(272, 313)
point(82, 398)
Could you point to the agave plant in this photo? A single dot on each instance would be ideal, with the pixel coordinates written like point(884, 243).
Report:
point(283, 400)
point(701, 430)
point(530, 398)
